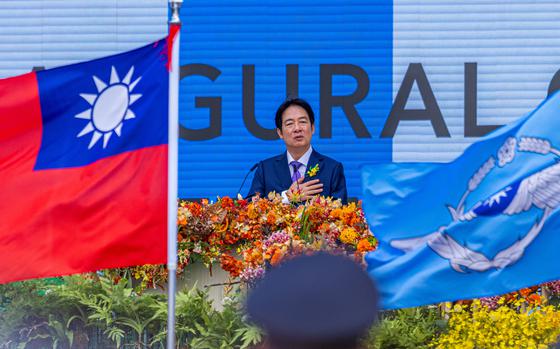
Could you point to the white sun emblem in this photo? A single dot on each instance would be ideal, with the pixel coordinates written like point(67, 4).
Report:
point(109, 107)
point(495, 199)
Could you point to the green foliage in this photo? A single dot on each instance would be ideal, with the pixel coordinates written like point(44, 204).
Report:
point(32, 316)
point(226, 329)
point(200, 326)
point(113, 307)
point(406, 329)
point(40, 314)
point(65, 312)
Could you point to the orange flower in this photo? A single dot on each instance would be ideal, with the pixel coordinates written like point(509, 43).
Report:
point(534, 299)
point(223, 228)
point(336, 213)
point(511, 297)
point(230, 239)
point(464, 302)
point(323, 228)
point(364, 246)
point(525, 292)
point(270, 218)
point(355, 220)
point(226, 202)
point(253, 256)
point(276, 257)
point(195, 209)
point(262, 204)
point(231, 265)
point(252, 212)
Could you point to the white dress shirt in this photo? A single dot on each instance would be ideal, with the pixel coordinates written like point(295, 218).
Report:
point(303, 160)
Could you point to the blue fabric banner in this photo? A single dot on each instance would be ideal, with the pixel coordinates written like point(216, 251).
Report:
point(485, 224)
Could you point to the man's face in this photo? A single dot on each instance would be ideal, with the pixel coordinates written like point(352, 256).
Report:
point(296, 128)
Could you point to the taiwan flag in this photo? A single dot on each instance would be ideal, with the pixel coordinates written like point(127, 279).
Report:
point(83, 166)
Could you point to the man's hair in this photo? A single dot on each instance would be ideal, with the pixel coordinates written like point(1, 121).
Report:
point(288, 103)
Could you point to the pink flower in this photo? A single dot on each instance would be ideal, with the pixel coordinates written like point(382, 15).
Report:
point(554, 287)
point(490, 302)
point(251, 275)
point(278, 237)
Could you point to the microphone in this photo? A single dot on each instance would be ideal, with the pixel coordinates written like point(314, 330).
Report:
point(247, 175)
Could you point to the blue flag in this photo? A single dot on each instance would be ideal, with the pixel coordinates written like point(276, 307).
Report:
point(485, 224)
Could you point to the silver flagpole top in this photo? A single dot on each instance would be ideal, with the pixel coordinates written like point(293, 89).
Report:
point(175, 9)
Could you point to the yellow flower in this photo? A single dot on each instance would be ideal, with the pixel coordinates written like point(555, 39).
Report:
point(504, 327)
point(348, 236)
point(313, 171)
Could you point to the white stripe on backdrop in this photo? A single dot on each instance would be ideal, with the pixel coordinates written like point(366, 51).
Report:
point(517, 48)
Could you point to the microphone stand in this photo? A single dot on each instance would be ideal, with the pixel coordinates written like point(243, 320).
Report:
point(247, 175)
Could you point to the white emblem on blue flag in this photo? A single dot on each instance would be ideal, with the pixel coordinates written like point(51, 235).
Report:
point(110, 106)
point(540, 189)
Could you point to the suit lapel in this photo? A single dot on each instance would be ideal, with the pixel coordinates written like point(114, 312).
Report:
point(283, 171)
point(314, 159)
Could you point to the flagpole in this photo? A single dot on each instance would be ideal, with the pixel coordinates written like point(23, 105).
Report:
point(172, 167)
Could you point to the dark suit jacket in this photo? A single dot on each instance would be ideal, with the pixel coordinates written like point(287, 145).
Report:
point(273, 174)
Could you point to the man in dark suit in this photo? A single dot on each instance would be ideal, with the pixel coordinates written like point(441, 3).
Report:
point(300, 170)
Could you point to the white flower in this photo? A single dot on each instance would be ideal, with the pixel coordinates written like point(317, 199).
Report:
point(507, 152)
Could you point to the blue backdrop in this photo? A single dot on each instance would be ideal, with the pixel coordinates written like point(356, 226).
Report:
point(221, 37)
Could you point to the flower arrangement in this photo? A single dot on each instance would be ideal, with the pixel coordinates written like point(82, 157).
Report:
point(278, 231)
point(520, 319)
point(529, 296)
point(477, 326)
point(249, 236)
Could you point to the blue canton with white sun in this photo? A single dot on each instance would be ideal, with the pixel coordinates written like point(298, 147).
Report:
point(110, 106)
point(104, 107)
